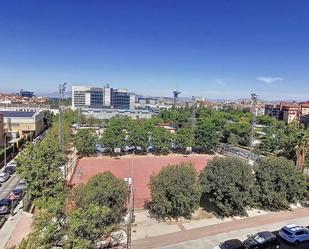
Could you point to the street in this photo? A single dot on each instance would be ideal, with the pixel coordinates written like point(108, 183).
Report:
point(8, 186)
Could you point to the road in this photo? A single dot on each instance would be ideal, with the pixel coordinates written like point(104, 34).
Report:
point(8, 186)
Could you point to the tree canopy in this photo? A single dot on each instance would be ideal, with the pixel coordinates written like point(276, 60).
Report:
point(279, 183)
point(228, 183)
point(85, 142)
point(175, 191)
point(104, 190)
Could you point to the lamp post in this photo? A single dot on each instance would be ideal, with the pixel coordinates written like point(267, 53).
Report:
point(131, 205)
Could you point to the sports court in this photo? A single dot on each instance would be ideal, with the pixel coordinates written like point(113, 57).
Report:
point(144, 167)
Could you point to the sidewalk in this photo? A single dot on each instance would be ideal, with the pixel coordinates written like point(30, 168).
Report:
point(222, 228)
point(15, 228)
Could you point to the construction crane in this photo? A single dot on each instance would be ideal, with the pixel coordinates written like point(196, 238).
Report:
point(176, 94)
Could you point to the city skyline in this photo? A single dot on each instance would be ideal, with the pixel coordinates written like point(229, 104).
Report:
point(222, 50)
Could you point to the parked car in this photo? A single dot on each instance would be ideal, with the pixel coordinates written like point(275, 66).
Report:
point(231, 244)
point(9, 169)
point(5, 206)
point(4, 177)
point(294, 233)
point(12, 163)
point(17, 194)
point(262, 240)
point(22, 184)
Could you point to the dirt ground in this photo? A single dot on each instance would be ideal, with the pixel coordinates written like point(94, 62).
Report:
point(143, 167)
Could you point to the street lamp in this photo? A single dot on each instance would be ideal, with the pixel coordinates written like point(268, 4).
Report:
point(131, 204)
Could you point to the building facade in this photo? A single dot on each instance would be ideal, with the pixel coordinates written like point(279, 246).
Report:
point(106, 114)
point(290, 113)
point(23, 123)
point(105, 97)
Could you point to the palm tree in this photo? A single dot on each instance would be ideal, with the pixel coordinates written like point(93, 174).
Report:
point(302, 148)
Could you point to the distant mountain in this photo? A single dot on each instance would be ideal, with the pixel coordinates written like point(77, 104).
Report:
point(55, 94)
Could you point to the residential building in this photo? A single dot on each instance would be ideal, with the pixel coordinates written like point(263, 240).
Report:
point(272, 110)
point(25, 99)
point(304, 108)
point(1, 130)
point(23, 123)
point(290, 112)
point(101, 97)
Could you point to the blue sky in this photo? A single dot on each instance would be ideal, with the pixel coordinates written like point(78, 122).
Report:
point(217, 49)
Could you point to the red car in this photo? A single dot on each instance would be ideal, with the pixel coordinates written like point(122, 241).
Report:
point(17, 194)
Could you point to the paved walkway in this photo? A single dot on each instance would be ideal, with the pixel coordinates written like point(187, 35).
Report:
point(235, 225)
point(15, 228)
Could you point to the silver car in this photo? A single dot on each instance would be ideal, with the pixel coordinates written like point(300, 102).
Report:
point(4, 177)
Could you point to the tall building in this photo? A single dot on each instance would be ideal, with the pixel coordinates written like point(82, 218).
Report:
point(105, 97)
point(120, 99)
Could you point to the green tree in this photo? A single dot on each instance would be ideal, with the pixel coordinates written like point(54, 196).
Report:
point(113, 137)
point(161, 140)
point(239, 129)
point(294, 134)
point(175, 191)
point(104, 190)
point(85, 142)
point(139, 137)
point(40, 166)
point(228, 183)
point(184, 138)
point(88, 226)
point(279, 183)
point(206, 136)
point(48, 118)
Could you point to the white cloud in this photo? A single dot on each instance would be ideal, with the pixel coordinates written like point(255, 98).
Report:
point(220, 82)
point(269, 80)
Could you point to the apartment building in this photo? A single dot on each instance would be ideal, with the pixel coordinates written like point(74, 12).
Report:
point(289, 112)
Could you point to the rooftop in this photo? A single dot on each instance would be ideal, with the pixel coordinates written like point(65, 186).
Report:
point(17, 114)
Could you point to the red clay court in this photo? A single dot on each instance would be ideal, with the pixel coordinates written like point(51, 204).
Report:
point(144, 167)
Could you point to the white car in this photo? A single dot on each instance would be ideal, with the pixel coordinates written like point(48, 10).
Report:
point(4, 177)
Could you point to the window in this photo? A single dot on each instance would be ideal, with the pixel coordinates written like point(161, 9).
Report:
point(286, 231)
point(300, 233)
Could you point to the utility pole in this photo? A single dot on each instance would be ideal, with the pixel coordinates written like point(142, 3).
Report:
point(131, 204)
point(252, 136)
point(61, 88)
point(193, 122)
